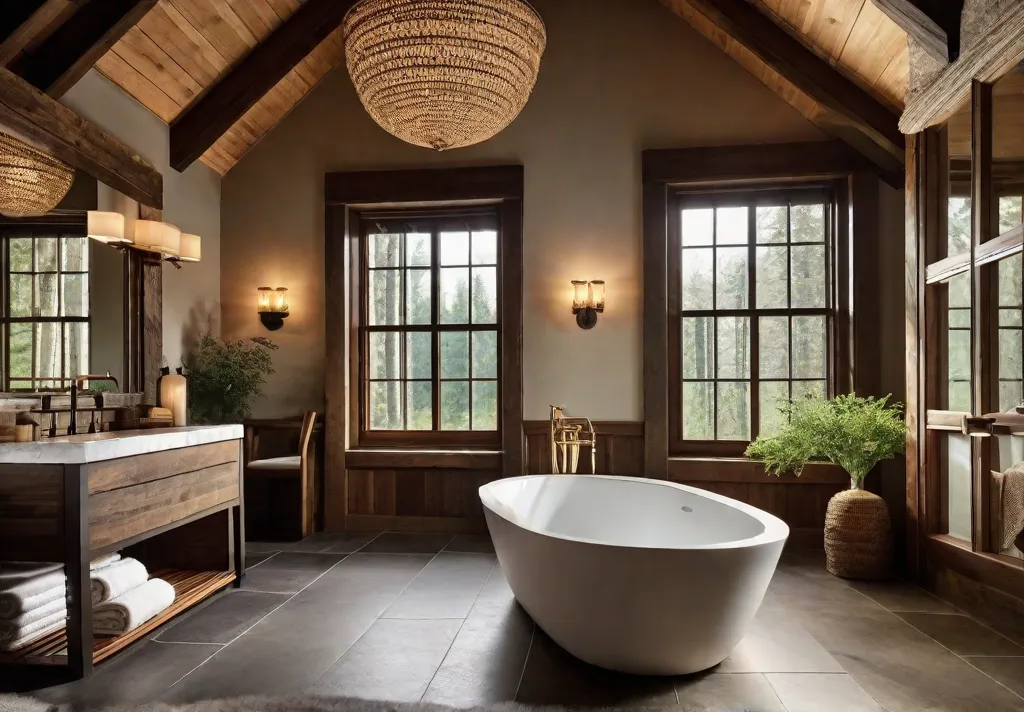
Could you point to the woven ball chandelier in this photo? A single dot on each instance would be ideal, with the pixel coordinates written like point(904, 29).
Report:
point(444, 73)
point(31, 182)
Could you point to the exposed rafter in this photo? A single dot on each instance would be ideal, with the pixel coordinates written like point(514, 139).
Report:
point(23, 20)
point(28, 114)
point(206, 120)
point(798, 75)
point(913, 18)
point(72, 49)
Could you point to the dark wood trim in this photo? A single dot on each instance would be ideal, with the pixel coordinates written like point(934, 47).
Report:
point(752, 163)
point(31, 116)
point(210, 116)
point(424, 185)
point(64, 57)
point(859, 320)
point(655, 327)
point(984, 300)
point(716, 469)
point(28, 19)
point(76, 564)
point(396, 523)
point(999, 572)
point(424, 459)
point(338, 244)
point(847, 111)
point(912, 18)
point(513, 441)
point(152, 325)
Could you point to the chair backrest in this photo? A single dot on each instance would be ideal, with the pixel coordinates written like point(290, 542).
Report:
point(306, 433)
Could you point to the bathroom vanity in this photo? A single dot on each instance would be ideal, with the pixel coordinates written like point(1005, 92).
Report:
point(171, 498)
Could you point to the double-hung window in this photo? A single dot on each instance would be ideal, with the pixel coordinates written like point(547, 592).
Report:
point(429, 328)
point(751, 310)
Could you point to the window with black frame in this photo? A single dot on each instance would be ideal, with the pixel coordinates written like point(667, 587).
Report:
point(429, 344)
point(45, 302)
point(751, 311)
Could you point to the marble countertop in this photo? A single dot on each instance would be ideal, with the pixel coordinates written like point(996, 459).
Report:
point(82, 449)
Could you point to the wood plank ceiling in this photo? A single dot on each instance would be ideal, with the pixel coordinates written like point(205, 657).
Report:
point(182, 47)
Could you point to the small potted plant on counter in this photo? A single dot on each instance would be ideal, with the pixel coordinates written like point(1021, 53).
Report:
point(856, 434)
point(224, 377)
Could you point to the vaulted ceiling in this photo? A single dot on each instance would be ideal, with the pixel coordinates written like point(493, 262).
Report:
point(188, 60)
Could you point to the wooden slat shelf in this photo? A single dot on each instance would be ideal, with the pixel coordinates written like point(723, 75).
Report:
point(190, 587)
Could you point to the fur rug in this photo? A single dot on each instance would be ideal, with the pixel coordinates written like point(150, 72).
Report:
point(14, 703)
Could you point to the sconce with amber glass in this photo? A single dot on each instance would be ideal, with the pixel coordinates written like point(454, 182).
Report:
point(272, 305)
point(587, 302)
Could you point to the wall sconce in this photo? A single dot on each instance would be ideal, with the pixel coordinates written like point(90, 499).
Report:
point(977, 427)
point(587, 302)
point(272, 305)
point(106, 227)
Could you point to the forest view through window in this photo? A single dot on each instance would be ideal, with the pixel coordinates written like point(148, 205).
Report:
point(754, 310)
point(45, 308)
point(431, 323)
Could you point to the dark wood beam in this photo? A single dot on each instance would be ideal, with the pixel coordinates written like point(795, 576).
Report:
point(28, 114)
point(23, 20)
point(840, 106)
point(919, 26)
point(72, 49)
point(211, 115)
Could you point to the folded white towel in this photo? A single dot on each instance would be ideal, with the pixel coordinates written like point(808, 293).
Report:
point(57, 605)
point(120, 577)
point(23, 589)
point(20, 637)
point(105, 560)
point(133, 608)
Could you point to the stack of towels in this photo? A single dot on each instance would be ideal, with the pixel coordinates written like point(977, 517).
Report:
point(33, 600)
point(124, 597)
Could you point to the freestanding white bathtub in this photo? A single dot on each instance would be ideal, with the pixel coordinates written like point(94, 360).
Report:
point(635, 575)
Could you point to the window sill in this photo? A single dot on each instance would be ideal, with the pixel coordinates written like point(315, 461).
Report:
point(421, 458)
point(741, 469)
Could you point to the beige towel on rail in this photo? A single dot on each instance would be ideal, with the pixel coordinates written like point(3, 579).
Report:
point(133, 608)
point(119, 577)
point(20, 637)
point(1011, 505)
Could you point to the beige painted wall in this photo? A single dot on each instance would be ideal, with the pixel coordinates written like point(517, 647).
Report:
point(619, 76)
point(191, 201)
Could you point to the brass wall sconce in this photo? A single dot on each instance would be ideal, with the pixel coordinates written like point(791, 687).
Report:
point(272, 305)
point(587, 302)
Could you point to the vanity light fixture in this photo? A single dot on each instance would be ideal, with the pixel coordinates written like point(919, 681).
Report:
point(587, 302)
point(106, 227)
point(160, 237)
point(272, 306)
point(189, 250)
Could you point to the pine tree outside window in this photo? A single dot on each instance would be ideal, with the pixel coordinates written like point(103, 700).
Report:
point(429, 336)
point(751, 311)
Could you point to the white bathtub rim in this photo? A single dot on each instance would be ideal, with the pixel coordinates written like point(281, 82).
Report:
point(775, 530)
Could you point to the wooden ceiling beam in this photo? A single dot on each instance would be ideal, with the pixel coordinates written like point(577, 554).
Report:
point(23, 20)
point(31, 116)
point(812, 86)
point(64, 57)
point(916, 19)
point(992, 55)
point(207, 119)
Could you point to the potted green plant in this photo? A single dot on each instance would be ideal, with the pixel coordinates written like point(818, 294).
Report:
point(224, 377)
point(856, 434)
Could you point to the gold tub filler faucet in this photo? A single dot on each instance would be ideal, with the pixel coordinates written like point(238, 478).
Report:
point(568, 434)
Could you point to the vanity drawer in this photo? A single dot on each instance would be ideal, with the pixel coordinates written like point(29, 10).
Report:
point(129, 471)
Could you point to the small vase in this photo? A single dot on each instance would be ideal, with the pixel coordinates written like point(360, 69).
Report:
point(858, 535)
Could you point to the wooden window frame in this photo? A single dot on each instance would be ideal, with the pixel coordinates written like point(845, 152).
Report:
point(45, 226)
point(346, 193)
point(745, 196)
point(857, 361)
point(436, 437)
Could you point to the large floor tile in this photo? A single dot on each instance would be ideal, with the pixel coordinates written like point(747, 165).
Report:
point(485, 663)
point(394, 660)
point(223, 619)
point(446, 588)
point(962, 635)
point(289, 572)
point(777, 642)
point(814, 693)
point(1008, 671)
point(364, 583)
point(332, 543)
point(807, 588)
point(901, 597)
point(137, 675)
point(901, 667)
point(743, 691)
point(471, 544)
point(255, 558)
point(554, 677)
point(408, 543)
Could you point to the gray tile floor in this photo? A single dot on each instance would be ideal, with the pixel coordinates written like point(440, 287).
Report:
point(431, 617)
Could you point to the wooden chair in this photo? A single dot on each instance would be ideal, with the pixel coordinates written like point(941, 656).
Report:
point(289, 467)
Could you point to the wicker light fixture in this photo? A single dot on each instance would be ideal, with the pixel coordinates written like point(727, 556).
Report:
point(31, 182)
point(444, 73)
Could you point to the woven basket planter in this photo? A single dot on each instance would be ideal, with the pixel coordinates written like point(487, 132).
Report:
point(858, 536)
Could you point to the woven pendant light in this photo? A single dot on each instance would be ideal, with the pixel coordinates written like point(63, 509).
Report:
point(31, 182)
point(444, 73)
